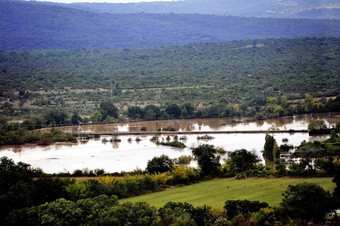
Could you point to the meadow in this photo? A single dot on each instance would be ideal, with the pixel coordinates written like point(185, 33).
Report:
point(215, 192)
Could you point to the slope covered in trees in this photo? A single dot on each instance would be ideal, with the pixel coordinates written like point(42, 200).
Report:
point(230, 72)
point(26, 25)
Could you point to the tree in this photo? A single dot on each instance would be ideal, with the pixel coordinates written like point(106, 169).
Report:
point(207, 159)
point(173, 110)
point(271, 149)
point(187, 110)
point(306, 201)
point(242, 160)
point(317, 125)
point(308, 103)
point(160, 164)
point(135, 112)
point(108, 109)
point(152, 112)
point(55, 117)
point(336, 180)
point(236, 207)
point(96, 117)
point(75, 119)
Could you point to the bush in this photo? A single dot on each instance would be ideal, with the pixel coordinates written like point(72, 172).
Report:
point(160, 164)
point(306, 201)
point(236, 207)
point(184, 159)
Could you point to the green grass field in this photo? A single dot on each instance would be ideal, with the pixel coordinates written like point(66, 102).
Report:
point(215, 192)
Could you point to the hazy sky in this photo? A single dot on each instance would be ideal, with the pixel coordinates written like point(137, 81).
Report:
point(109, 1)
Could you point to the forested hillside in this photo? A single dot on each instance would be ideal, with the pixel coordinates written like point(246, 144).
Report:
point(314, 9)
point(25, 25)
point(236, 72)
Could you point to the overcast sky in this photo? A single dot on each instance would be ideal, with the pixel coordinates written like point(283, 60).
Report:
point(109, 1)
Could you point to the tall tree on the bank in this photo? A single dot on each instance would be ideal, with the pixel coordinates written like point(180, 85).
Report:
point(207, 159)
point(271, 149)
point(108, 109)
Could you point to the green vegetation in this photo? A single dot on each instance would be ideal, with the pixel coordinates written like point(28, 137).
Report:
point(306, 201)
point(317, 149)
point(207, 159)
point(214, 193)
point(231, 79)
point(271, 149)
point(184, 159)
point(318, 127)
point(175, 143)
point(241, 161)
point(160, 164)
point(22, 195)
point(22, 136)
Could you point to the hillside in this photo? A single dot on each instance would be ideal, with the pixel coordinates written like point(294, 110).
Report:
point(312, 9)
point(43, 26)
point(216, 192)
point(242, 71)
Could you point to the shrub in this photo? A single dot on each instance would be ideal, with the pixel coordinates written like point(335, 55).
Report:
point(159, 164)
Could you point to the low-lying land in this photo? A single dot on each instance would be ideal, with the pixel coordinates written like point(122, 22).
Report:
point(215, 192)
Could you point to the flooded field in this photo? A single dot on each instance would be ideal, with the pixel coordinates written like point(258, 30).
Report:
point(130, 154)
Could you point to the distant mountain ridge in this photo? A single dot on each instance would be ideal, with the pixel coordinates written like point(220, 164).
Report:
point(312, 9)
point(25, 25)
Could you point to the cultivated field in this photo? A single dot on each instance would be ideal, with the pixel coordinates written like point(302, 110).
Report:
point(215, 192)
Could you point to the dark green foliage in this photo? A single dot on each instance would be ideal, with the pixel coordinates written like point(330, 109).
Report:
point(286, 147)
point(236, 207)
point(318, 127)
point(198, 214)
point(336, 193)
point(306, 201)
point(173, 110)
point(160, 164)
point(175, 143)
point(207, 160)
point(76, 119)
point(19, 190)
point(317, 149)
point(13, 133)
point(135, 112)
point(108, 109)
point(242, 160)
point(56, 118)
point(271, 150)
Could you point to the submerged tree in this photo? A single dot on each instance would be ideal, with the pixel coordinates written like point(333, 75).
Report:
point(271, 149)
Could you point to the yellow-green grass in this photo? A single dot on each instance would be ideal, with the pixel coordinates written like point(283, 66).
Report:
point(215, 192)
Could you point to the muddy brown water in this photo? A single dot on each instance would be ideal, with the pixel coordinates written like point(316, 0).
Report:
point(130, 154)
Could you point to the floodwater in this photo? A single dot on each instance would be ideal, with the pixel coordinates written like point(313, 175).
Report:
point(130, 154)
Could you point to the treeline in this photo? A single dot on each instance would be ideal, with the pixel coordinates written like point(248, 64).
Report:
point(270, 107)
point(107, 112)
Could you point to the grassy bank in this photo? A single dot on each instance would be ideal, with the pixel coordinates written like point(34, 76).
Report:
point(216, 192)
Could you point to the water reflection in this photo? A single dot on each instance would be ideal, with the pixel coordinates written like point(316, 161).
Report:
point(134, 152)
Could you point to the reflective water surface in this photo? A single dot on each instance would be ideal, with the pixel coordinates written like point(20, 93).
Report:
point(130, 154)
